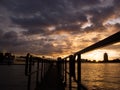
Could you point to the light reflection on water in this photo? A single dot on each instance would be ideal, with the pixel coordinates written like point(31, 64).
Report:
point(101, 76)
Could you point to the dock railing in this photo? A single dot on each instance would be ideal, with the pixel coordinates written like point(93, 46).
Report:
point(66, 66)
point(75, 59)
point(41, 67)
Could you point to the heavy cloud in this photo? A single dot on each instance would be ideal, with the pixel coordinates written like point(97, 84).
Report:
point(24, 22)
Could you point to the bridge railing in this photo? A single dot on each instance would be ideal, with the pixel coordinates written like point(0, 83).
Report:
point(70, 62)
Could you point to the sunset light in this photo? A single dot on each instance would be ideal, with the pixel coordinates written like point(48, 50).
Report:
point(60, 44)
point(66, 29)
point(98, 54)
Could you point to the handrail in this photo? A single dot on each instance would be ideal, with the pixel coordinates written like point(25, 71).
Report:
point(107, 41)
point(62, 63)
point(30, 60)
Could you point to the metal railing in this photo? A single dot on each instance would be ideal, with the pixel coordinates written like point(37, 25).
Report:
point(75, 59)
point(42, 66)
point(66, 66)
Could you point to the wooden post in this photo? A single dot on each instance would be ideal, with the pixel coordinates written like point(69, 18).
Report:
point(65, 71)
point(41, 69)
point(59, 73)
point(37, 74)
point(44, 69)
point(62, 66)
point(29, 74)
point(27, 64)
point(72, 66)
point(59, 68)
point(70, 81)
point(79, 72)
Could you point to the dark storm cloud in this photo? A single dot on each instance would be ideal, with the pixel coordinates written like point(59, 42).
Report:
point(117, 4)
point(45, 12)
point(99, 16)
point(79, 3)
point(35, 16)
point(69, 27)
point(49, 48)
point(8, 38)
point(42, 12)
point(1, 33)
point(32, 31)
point(10, 35)
point(31, 6)
point(36, 47)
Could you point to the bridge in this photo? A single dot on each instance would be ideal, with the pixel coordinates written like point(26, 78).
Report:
point(60, 74)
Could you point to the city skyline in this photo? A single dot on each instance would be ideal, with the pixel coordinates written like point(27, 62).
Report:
point(58, 28)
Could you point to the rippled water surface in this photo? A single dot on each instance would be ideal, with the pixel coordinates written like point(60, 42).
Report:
point(101, 76)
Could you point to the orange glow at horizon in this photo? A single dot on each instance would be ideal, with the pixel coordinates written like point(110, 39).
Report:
point(98, 54)
point(66, 44)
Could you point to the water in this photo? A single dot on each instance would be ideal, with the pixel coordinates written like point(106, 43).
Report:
point(101, 76)
point(96, 76)
point(12, 77)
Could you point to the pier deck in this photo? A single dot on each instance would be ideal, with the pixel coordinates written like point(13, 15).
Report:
point(51, 80)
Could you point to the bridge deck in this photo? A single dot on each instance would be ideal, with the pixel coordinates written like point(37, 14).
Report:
point(51, 81)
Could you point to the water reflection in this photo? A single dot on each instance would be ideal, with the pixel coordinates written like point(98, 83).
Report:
point(101, 76)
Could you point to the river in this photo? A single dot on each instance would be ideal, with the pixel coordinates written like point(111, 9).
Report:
point(101, 76)
point(95, 76)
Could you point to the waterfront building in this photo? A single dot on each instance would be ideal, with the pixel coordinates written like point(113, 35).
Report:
point(105, 57)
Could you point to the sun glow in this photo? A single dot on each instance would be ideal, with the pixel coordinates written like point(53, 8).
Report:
point(98, 54)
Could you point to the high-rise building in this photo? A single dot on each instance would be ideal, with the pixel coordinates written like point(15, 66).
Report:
point(105, 57)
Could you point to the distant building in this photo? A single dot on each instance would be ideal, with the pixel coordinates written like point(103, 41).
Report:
point(1, 57)
point(6, 58)
point(105, 57)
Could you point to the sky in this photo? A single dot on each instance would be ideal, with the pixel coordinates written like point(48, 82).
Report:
point(58, 27)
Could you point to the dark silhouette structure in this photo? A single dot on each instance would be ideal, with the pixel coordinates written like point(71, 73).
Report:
point(105, 58)
point(72, 66)
point(1, 57)
point(6, 58)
